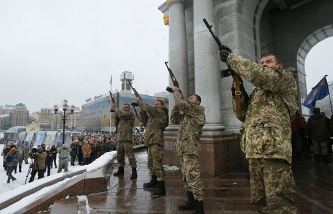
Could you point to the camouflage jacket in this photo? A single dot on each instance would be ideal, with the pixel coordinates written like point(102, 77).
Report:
point(63, 153)
point(190, 122)
point(267, 116)
point(125, 126)
point(154, 120)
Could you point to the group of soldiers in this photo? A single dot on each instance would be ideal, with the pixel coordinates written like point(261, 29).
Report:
point(265, 135)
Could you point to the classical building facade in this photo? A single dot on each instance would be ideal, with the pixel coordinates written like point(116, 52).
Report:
point(19, 116)
point(250, 28)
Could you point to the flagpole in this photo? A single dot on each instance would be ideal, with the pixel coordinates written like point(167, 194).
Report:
point(110, 106)
point(329, 95)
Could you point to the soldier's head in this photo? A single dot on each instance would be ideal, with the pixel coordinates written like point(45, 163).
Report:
point(271, 61)
point(194, 98)
point(159, 103)
point(126, 107)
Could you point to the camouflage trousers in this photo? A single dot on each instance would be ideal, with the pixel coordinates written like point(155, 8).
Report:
point(320, 147)
point(125, 148)
point(272, 186)
point(63, 164)
point(155, 161)
point(191, 176)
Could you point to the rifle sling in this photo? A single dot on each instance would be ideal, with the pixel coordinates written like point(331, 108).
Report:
point(238, 94)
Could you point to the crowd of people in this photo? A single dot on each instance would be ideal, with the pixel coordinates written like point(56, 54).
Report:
point(312, 137)
point(83, 150)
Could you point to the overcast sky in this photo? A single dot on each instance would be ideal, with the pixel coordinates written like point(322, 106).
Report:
point(51, 50)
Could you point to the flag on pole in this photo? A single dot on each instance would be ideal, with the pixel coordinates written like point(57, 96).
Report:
point(318, 92)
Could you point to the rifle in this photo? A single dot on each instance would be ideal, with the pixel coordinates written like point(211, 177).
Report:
point(239, 89)
point(134, 90)
point(134, 104)
point(173, 78)
point(113, 101)
point(117, 119)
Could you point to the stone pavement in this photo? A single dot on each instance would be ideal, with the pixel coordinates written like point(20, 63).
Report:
point(229, 193)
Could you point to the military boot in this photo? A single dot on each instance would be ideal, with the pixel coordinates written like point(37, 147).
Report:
point(120, 171)
point(199, 208)
point(189, 204)
point(152, 183)
point(160, 190)
point(134, 174)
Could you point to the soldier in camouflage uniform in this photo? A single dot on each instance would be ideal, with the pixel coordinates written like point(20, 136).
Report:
point(155, 120)
point(266, 133)
point(125, 138)
point(191, 118)
point(98, 147)
point(73, 151)
point(63, 158)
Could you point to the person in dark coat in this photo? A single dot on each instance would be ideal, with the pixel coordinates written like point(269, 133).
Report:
point(73, 151)
point(5, 151)
point(318, 132)
point(54, 155)
point(12, 158)
point(48, 161)
point(79, 153)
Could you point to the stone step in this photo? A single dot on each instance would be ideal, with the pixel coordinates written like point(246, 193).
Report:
point(67, 205)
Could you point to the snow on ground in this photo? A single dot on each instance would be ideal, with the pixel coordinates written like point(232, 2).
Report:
point(18, 186)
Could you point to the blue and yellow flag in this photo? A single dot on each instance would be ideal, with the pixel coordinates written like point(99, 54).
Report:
point(320, 91)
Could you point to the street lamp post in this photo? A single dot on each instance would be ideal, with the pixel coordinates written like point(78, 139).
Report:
point(65, 107)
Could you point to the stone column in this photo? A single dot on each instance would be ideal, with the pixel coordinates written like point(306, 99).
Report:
point(207, 78)
point(174, 16)
point(178, 45)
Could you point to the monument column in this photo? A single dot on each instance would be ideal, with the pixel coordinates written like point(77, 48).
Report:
point(206, 70)
point(178, 45)
point(174, 16)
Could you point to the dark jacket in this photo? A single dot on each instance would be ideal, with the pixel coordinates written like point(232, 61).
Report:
point(54, 152)
point(317, 128)
point(48, 157)
point(12, 158)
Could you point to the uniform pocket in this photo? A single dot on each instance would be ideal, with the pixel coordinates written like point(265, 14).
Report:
point(262, 138)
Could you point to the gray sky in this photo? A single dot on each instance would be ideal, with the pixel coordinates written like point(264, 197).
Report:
point(51, 50)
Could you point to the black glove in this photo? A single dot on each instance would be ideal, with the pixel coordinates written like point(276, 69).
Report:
point(168, 89)
point(224, 53)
